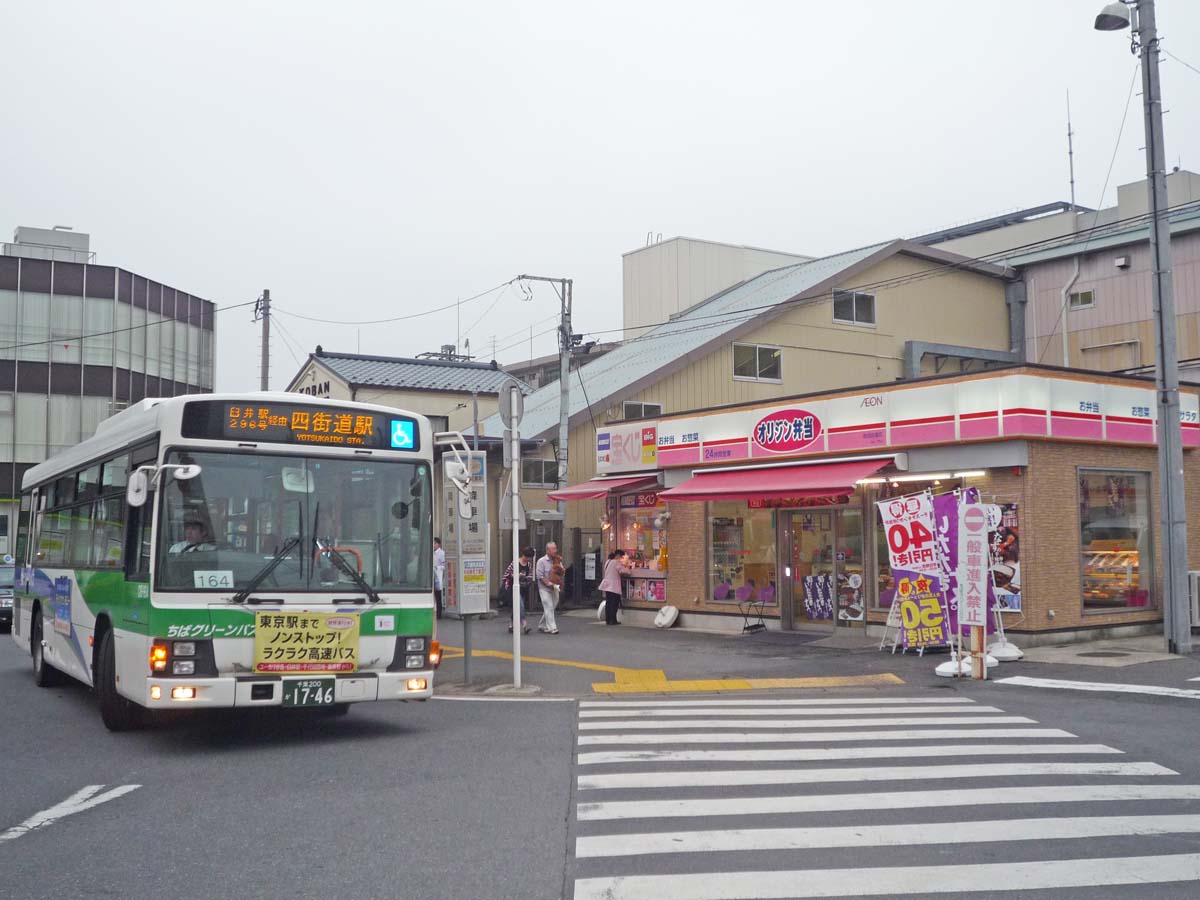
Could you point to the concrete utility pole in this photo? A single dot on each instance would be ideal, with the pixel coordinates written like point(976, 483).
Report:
point(566, 340)
point(1177, 623)
point(262, 312)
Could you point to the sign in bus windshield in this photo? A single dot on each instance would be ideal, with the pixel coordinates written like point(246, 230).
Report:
point(299, 423)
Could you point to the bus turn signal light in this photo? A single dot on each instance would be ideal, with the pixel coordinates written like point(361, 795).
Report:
point(158, 657)
point(435, 654)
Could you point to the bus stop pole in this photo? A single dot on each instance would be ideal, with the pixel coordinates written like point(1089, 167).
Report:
point(518, 596)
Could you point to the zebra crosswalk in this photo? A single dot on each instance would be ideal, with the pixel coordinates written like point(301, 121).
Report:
point(729, 799)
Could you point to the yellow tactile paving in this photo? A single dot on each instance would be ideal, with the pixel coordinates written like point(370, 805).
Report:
point(654, 681)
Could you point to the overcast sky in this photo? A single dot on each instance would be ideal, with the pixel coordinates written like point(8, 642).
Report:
point(371, 159)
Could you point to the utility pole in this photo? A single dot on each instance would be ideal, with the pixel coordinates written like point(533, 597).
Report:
point(1176, 608)
point(262, 312)
point(566, 340)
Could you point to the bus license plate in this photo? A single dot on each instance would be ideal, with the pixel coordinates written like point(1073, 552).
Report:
point(308, 692)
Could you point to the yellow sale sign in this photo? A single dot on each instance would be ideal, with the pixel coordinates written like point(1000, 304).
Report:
point(922, 620)
point(305, 643)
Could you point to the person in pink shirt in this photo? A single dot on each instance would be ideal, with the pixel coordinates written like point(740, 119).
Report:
point(611, 584)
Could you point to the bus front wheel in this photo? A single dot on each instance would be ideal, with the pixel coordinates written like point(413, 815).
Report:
point(118, 713)
point(44, 674)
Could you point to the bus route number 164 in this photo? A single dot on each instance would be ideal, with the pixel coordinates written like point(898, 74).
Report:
point(213, 579)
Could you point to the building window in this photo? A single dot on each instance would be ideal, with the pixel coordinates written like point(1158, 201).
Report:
point(755, 362)
point(1114, 539)
point(633, 410)
point(853, 308)
point(1081, 299)
point(539, 473)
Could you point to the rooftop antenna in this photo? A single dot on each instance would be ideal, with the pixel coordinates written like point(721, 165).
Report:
point(1071, 149)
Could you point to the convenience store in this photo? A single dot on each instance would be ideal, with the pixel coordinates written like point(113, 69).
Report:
point(768, 510)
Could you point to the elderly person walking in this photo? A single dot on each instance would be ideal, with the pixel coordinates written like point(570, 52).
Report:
point(547, 590)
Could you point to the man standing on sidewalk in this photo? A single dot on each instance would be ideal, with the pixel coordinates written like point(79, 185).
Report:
point(546, 589)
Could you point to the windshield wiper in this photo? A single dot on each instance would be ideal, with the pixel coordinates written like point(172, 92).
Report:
point(288, 545)
point(355, 575)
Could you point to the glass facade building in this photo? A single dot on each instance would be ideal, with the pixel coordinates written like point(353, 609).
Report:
point(79, 342)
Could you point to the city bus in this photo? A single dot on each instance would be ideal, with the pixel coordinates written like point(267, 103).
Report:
point(233, 550)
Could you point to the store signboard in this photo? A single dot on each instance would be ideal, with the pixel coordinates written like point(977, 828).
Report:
point(629, 447)
point(991, 407)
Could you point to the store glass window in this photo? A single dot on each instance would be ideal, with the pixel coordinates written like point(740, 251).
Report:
point(741, 552)
point(642, 529)
point(1114, 536)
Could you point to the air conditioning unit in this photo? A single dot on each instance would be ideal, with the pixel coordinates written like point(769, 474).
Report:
point(1194, 596)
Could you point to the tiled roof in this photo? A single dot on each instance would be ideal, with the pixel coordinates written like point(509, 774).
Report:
point(415, 374)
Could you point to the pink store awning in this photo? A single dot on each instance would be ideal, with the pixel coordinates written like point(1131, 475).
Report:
point(599, 487)
point(762, 483)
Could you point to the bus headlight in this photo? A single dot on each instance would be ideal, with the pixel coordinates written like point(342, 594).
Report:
point(417, 684)
point(184, 667)
point(414, 645)
point(414, 662)
point(184, 648)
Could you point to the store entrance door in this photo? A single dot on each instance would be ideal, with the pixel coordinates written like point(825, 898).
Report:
point(824, 568)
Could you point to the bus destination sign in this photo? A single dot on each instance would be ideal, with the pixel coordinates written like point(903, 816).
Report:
point(299, 423)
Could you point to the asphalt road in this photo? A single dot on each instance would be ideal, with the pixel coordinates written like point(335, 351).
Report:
point(474, 798)
point(443, 799)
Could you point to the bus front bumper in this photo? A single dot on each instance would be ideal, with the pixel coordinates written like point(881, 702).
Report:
point(258, 690)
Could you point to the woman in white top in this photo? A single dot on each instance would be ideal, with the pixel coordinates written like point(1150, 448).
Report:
point(611, 584)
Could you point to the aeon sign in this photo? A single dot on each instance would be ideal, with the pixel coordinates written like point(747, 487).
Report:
point(787, 431)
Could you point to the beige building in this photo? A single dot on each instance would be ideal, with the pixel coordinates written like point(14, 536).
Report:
point(666, 277)
point(855, 318)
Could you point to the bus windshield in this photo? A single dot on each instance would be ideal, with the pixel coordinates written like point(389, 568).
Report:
point(218, 530)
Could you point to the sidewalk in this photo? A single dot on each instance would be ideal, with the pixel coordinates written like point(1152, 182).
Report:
point(588, 658)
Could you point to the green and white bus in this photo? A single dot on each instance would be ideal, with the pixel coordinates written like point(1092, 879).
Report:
point(224, 550)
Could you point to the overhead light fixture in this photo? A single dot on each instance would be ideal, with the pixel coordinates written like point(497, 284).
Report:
point(973, 473)
point(1113, 17)
point(932, 476)
point(871, 481)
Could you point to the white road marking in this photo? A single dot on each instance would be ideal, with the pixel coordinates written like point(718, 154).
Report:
point(768, 806)
point(795, 701)
point(737, 777)
point(83, 799)
point(821, 737)
point(895, 880)
point(918, 834)
point(804, 723)
point(1100, 686)
point(509, 699)
point(897, 751)
point(656, 714)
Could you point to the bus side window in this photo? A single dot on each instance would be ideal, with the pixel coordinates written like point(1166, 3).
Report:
point(24, 522)
point(137, 542)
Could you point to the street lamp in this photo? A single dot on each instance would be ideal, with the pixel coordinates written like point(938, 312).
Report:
point(1177, 624)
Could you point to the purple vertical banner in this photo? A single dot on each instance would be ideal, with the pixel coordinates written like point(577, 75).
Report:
point(945, 516)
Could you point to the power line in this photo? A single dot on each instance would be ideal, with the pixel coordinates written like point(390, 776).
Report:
point(428, 312)
point(499, 297)
point(94, 334)
point(1178, 60)
point(287, 342)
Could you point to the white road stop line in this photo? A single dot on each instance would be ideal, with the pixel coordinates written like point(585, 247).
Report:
point(83, 799)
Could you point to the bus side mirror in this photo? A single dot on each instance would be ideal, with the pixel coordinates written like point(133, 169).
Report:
point(137, 489)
